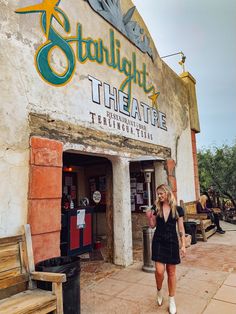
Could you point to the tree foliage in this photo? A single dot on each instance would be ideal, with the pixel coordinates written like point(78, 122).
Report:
point(217, 167)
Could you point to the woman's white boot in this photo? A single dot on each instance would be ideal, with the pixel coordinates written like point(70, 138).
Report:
point(172, 306)
point(159, 297)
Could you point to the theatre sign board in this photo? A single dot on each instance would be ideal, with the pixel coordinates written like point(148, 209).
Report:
point(97, 66)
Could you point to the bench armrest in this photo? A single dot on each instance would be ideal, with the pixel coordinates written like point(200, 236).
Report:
point(49, 277)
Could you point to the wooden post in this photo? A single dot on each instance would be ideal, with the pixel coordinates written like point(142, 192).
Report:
point(109, 213)
point(203, 231)
point(30, 255)
point(57, 290)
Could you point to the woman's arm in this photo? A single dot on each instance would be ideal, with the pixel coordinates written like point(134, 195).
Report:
point(151, 218)
point(182, 235)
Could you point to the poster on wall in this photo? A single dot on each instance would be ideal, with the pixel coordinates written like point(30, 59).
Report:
point(138, 191)
point(145, 195)
point(98, 183)
point(80, 218)
point(133, 183)
point(139, 187)
point(139, 199)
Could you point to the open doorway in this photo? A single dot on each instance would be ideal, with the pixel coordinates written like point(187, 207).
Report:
point(142, 190)
point(86, 205)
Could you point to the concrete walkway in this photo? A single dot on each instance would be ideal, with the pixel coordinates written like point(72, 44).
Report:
point(206, 282)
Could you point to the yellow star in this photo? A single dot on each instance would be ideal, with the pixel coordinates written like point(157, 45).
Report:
point(154, 99)
point(47, 6)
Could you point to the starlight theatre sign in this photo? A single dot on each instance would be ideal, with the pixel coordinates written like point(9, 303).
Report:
point(124, 100)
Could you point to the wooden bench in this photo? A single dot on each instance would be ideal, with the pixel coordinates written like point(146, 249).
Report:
point(205, 227)
point(18, 290)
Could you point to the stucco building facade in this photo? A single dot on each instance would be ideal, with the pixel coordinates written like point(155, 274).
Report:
point(84, 90)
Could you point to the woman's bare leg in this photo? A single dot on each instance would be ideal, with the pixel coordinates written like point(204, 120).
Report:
point(171, 272)
point(159, 274)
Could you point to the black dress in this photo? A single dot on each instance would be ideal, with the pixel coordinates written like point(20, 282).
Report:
point(165, 244)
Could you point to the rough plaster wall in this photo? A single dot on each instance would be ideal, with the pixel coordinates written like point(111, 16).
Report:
point(160, 174)
point(184, 168)
point(122, 214)
point(14, 131)
point(13, 190)
point(71, 102)
point(174, 96)
point(23, 91)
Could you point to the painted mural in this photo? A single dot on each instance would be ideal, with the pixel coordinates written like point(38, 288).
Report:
point(87, 49)
point(112, 12)
point(122, 110)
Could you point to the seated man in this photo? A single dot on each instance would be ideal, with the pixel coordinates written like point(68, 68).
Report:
point(202, 209)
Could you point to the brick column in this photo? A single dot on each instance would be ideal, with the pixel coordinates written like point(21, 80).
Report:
point(195, 164)
point(44, 198)
point(170, 169)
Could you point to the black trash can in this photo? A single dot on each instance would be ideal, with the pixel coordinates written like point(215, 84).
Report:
point(71, 288)
point(191, 228)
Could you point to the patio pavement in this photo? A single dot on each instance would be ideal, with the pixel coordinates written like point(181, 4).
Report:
point(206, 282)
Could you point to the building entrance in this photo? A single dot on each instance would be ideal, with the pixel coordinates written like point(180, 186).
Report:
point(86, 204)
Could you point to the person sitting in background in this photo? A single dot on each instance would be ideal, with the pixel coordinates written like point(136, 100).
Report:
point(229, 206)
point(229, 211)
point(203, 209)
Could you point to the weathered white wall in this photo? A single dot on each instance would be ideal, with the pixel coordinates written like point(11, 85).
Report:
point(73, 102)
point(122, 225)
point(24, 91)
point(160, 174)
point(13, 190)
point(184, 168)
point(14, 131)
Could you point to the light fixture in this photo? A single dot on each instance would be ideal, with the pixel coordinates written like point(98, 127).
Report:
point(181, 62)
point(67, 169)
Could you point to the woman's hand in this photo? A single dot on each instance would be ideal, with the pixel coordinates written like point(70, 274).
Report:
point(151, 218)
point(183, 251)
point(149, 214)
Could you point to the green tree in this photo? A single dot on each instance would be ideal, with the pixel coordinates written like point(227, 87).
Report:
point(217, 167)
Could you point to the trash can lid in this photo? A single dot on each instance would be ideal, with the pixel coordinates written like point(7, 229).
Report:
point(58, 261)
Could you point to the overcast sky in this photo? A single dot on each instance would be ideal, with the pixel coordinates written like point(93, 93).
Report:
point(205, 30)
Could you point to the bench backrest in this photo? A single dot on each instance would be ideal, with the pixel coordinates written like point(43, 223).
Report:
point(14, 276)
point(189, 208)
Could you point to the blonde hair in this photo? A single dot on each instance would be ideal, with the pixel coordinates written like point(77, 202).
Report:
point(229, 204)
point(202, 200)
point(171, 201)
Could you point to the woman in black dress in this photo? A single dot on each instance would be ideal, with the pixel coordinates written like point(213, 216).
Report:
point(167, 217)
